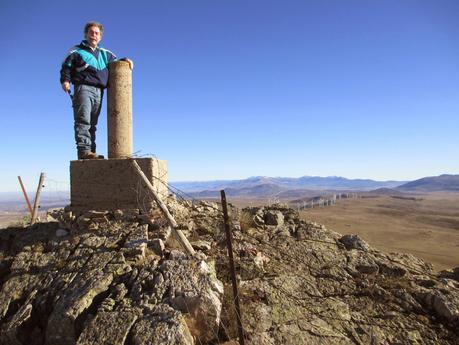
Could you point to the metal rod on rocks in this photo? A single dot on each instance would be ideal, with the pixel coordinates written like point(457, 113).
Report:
point(181, 237)
point(36, 203)
point(25, 196)
point(233, 271)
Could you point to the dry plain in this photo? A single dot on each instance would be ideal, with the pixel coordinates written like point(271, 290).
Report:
point(424, 225)
point(11, 218)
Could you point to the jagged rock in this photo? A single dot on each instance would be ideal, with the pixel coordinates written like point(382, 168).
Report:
point(299, 284)
point(354, 242)
point(201, 245)
point(126, 214)
point(179, 211)
point(157, 245)
point(258, 220)
point(200, 302)
point(391, 270)
point(15, 289)
point(131, 214)
point(53, 214)
point(164, 326)
point(146, 219)
point(367, 268)
point(12, 330)
point(83, 222)
point(164, 232)
point(205, 225)
point(177, 255)
point(136, 242)
point(358, 261)
point(96, 216)
point(443, 306)
point(92, 241)
point(260, 260)
point(450, 274)
point(76, 298)
point(275, 218)
point(110, 328)
point(118, 214)
point(61, 232)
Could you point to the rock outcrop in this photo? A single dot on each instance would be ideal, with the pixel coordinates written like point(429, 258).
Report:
point(99, 278)
point(121, 278)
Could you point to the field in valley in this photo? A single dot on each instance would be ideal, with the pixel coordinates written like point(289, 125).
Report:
point(10, 218)
point(425, 225)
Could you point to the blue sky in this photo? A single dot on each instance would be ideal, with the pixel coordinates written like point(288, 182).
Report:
point(232, 89)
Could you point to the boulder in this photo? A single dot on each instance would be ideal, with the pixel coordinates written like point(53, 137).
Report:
point(354, 242)
point(136, 242)
point(201, 245)
point(157, 245)
point(446, 307)
point(163, 326)
point(200, 303)
point(275, 218)
point(61, 233)
point(110, 328)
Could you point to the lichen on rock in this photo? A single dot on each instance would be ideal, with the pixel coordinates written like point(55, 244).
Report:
point(118, 277)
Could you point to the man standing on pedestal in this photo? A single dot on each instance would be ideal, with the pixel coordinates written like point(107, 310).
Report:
point(86, 67)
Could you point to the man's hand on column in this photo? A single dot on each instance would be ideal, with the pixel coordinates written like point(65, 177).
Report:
point(131, 64)
point(65, 86)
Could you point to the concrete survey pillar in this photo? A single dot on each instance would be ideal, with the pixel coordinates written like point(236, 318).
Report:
point(119, 110)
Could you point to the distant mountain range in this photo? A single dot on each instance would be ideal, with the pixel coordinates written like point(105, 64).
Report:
point(305, 182)
point(308, 186)
point(282, 187)
point(272, 187)
point(442, 183)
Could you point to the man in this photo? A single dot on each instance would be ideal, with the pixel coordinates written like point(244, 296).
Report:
point(86, 67)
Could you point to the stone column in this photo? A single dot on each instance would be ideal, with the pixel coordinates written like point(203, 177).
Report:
point(119, 109)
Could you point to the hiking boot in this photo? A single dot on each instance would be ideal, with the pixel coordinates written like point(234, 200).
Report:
point(89, 155)
point(98, 155)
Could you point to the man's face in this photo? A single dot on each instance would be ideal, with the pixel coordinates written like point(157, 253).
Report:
point(93, 36)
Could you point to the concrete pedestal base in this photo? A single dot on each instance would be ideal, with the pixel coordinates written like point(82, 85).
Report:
point(110, 184)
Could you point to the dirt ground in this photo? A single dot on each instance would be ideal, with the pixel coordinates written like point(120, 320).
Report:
point(10, 218)
point(427, 226)
point(17, 218)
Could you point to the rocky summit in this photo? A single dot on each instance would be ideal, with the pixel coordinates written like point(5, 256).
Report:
point(120, 277)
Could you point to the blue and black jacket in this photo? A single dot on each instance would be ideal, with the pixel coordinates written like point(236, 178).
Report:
point(88, 66)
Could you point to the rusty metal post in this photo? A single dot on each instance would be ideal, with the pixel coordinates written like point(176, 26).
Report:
point(36, 203)
point(119, 110)
point(25, 195)
point(233, 271)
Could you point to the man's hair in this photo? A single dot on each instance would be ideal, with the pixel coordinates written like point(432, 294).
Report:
point(90, 24)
